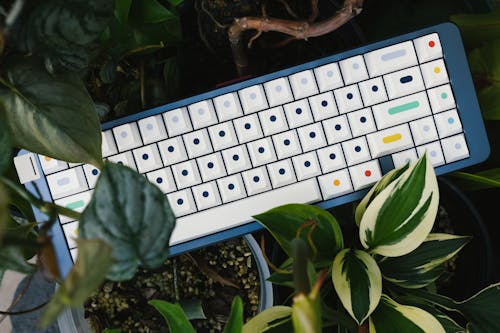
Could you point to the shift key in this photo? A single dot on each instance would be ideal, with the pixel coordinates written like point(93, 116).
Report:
point(401, 110)
point(67, 182)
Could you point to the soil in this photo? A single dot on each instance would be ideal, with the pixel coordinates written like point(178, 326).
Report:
point(124, 305)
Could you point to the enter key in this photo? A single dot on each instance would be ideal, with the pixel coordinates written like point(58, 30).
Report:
point(390, 140)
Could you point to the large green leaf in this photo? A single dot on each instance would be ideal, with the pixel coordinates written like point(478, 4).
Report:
point(358, 282)
point(478, 29)
point(122, 10)
point(12, 259)
point(481, 310)
point(479, 180)
point(393, 317)
point(235, 321)
point(5, 141)
point(283, 222)
point(51, 114)
point(174, 316)
point(423, 265)
point(490, 101)
point(88, 272)
point(149, 11)
point(276, 319)
point(401, 216)
point(306, 313)
point(133, 216)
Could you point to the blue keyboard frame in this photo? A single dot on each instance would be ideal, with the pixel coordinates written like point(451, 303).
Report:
point(465, 97)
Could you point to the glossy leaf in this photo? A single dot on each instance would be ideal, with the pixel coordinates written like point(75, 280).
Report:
point(149, 11)
point(4, 210)
point(393, 317)
point(276, 319)
point(477, 29)
point(12, 259)
point(86, 275)
point(175, 3)
point(133, 216)
point(192, 308)
point(481, 310)
point(51, 114)
point(235, 321)
point(283, 222)
point(306, 313)
point(358, 282)
point(423, 265)
point(174, 316)
point(5, 141)
point(122, 10)
point(479, 180)
point(401, 216)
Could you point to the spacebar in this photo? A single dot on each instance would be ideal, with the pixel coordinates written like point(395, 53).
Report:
point(239, 212)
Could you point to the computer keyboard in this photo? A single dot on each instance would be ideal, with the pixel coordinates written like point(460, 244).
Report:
point(322, 132)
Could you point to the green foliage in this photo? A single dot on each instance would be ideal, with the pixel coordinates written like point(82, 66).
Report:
point(4, 211)
point(51, 114)
point(174, 316)
point(276, 319)
point(12, 258)
point(478, 29)
point(89, 271)
point(235, 321)
point(5, 141)
point(131, 215)
point(479, 180)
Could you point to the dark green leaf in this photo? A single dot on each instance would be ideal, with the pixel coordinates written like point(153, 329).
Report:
point(149, 11)
point(235, 321)
point(477, 29)
point(12, 259)
point(276, 319)
point(284, 222)
point(133, 216)
point(51, 114)
point(23, 234)
point(122, 10)
point(86, 275)
point(192, 308)
point(479, 180)
point(174, 316)
point(424, 265)
point(482, 310)
point(4, 210)
point(5, 141)
point(175, 3)
point(489, 99)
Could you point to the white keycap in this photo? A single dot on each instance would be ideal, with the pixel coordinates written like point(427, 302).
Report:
point(206, 195)
point(186, 174)
point(335, 184)
point(182, 203)
point(303, 84)
point(278, 91)
point(108, 144)
point(287, 144)
point(405, 82)
point(74, 254)
point(331, 158)
point(197, 143)
point(125, 158)
point(231, 188)
point(240, 212)
point(164, 179)
point(337, 129)
point(152, 129)
point(323, 106)
point(428, 47)
point(402, 110)
point(256, 180)
point(365, 174)
point(273, 121)
point(202, 114)
point(306, 166)
point(253, 99)
point(177, 122)
point(247, 128)
point(423, 130)
point(353, 69)
point(281, 173)
point(147, 158)
point(348, 99)
point(328, 77)
point(448, 123)
point(434, 73)
point(361, 122)
point(211, 167)
point(311, 137)
point(92, 174)
point(373, 91)
point(402, 158)
point(228, 106)
point(356, 151)
point(67, 182)
point(390, 140)
point(71, 233)
point(261, 152)
point(236, 159)
point(441, 98)
point(172, 151)
point(222, 136)
point(127, 136)
point(298, 113)
point(390, 59)
point(76, 202)
point(455, 148)
point(434, 153)
point(51, 165)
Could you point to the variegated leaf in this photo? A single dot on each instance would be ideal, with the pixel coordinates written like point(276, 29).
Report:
point(393, 317)
point(423, 265)
point(358, 282)
point(401, 216)
point(277, 317)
